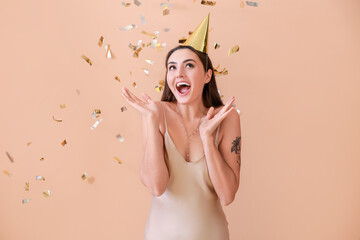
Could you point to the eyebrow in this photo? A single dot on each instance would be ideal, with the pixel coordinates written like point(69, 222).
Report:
point(187, 60)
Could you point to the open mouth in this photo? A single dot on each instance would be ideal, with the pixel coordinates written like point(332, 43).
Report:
point(183, 87)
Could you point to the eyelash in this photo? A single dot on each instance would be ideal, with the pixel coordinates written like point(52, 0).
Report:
point(173, 67)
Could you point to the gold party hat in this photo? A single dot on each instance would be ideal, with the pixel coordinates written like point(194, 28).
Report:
point(199, 38)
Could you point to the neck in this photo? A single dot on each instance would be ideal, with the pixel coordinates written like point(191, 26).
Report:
point(193, 110)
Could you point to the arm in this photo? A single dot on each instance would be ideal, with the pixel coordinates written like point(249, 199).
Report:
point(153, 171)
point(224, 163)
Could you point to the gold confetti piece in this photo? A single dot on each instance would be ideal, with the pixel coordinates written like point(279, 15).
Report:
point(26, 200)
point(210, 3)
point(27, 186)
point(46, 193)
point(40, 178)
point(97, 111)
point(117, 78)
point(136, 52)
point(108, 52)
point(149, 34)
point(158, 88)
point(10, 157)
point(120, 138)
point(142, 19)
point(137, 3)
point(128, 27)
point(149, 61)
point(64, 142)
point(182, 40)
point(28, 143)
point(84, 176)
point(253, 4)
point(101, 41)
point(166, 12)
point(123, 109)
point(221, 96)
point(162, 83)
point(7, 173)
point(77, 91)
point(166, 29)
point(216, 45)
point(125, 4)
point(86, 59)
point(62, 106)
point(117, 159)
point(146, 71)
point(42, 159)
point(234, 49)
point(134, 85)
point(96, 124)
point(57, 120)
point(242, 4)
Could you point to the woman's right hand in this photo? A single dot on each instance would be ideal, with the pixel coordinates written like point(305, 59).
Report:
point(149, 109)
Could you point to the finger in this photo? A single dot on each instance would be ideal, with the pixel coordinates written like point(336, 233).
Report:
point(227, 105)
point(146, 97)
point(210, 112)
point(135, 98)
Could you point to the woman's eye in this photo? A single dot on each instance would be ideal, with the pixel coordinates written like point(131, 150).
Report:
point(189, 65)
point(171, 67)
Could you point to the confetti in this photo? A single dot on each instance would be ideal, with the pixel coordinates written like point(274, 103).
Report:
point(84, 176)
point(217, 72)
point(62, 106)
point(123, 109)
point(40, 178)
point(97, 111)
point(10, 157)
point(7, 173)
point(242, 4)
point(86, 59)
point(120, 138)
point(57, 120)
point(26, 200)
point(166, 4)
point(234, 49)
point(253, 4)
point(128, 27)
point(46, 193)
point(101, 41)
point(78, 92)
point(182, 40)
point(134, 85)
point(28, 143)
point(125, 4)
point(166, 29)
point(64, 142)
point(146, 71)
point(117, 159)
point(166, 12)
point(149, 61)
point(216, 45)
point(117, 78)
point(159, 87)
point(137, 3)
point(142, 19)
point(42, 159)
point(220, 94)
point(96, 124)
point(149, 34)
point(108, 51)
point(238, 111)
point(27, 186)
point(210, 3)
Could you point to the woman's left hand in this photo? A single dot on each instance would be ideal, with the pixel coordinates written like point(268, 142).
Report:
point(209, 123)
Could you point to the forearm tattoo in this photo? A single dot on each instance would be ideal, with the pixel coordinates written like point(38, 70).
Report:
point(237, 149)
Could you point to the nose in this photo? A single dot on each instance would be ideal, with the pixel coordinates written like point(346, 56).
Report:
point(180, 72)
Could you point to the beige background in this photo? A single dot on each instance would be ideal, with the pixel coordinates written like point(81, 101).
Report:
point(296, 80)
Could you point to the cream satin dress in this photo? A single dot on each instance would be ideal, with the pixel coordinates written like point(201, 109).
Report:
point(189, 209)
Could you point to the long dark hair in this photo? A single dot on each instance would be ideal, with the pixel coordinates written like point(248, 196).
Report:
point(210, 95)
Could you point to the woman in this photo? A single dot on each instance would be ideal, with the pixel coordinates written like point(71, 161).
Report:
point(191, 144)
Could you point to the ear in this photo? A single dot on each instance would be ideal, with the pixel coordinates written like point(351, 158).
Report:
point(208, 76)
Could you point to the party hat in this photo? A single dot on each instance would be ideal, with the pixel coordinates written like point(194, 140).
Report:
point(199, 38)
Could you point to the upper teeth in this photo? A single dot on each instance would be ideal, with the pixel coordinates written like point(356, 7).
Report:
point(182, 83)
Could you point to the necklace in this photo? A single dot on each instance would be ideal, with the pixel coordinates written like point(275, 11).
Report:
point(187, 135)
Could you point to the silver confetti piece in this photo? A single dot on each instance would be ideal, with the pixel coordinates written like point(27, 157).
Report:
point(96, 124)
point(253, 4)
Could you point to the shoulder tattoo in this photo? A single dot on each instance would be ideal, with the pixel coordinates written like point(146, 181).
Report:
point(236, 148)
